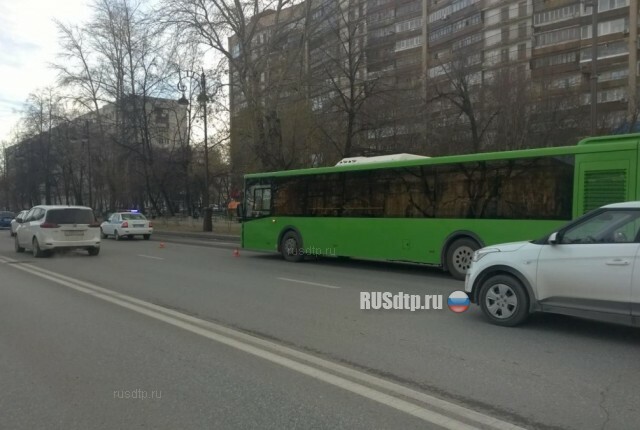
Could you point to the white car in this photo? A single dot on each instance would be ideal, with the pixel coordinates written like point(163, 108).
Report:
point(127, 224)
point(589, 268)
point(16, 222)
point(47, 228)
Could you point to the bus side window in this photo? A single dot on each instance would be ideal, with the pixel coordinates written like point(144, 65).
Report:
point(261, 203)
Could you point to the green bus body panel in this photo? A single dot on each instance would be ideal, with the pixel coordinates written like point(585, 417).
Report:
point(606, 162)
point(629, 142)
point(418, 240)
point(422, 240)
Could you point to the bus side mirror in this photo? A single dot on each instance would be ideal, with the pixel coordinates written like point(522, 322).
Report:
point(553, 238)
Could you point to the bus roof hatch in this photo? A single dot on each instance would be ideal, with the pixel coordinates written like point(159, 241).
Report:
point(379, 159)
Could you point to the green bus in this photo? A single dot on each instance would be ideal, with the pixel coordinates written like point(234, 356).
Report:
point(435, 211)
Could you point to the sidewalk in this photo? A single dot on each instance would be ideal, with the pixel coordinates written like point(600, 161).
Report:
point(213, 235)
point(223, 230)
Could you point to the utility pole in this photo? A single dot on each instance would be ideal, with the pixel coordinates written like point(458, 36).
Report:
point(594, 67)
point(207, 224)
point(89, 168)
point(633, 59)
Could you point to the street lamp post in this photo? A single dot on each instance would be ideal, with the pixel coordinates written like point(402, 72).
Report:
point(594, 64)
point(207, 224)
point(594, 67)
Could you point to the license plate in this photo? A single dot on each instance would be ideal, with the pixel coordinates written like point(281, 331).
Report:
point(138, 225)
point(74, 233)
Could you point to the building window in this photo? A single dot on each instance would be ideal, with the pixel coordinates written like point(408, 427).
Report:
point(375, 3)
point(566, 82)
point(504, 14)
point(606, 51)
point(607, 27)
point(381, 16)
point(491, 37)
point(522, 9)
point(522, 51)
point(448, 10)
point(440, 14)
point(554, 60)
point(613, 75)
point(469, 40)
point(504, 54)
point(455, 27)
point(556, 15)
point(407, 9)
point(381, 32)
point(407, 61)
point(522, 30)
point(604, 5)
point(440, 33)
point(505, 34)
point(558, 36)
point(474, 59)
point(492, 57)
point(409, 25)
point(439, 70)
point(413, 42)
point(612, 95)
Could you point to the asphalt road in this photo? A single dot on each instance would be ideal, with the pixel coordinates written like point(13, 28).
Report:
point(68, 349)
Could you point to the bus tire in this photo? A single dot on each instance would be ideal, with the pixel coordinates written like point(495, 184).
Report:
point(459, 255)
point(291, 247)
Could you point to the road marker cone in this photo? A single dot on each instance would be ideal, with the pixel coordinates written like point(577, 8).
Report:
point(236, 253)
point(161, 245)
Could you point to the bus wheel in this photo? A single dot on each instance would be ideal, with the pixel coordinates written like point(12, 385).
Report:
point(290, 247)
point(459, 256)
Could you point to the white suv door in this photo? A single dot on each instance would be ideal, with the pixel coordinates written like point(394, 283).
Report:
point(590, 267)
point(635, 288)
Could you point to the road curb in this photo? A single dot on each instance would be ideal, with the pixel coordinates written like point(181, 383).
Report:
point(199, 236)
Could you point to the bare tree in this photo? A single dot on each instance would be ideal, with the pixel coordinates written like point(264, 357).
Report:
point(261, 42)
point(42, 116)
point(464, 101)
point(339, 84)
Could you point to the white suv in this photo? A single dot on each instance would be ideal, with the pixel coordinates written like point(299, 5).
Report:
point(46, 228)
point(589, 268)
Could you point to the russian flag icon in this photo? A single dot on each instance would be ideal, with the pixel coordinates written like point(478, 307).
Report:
point(458, 301)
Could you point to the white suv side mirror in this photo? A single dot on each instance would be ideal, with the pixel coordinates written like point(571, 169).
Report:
point(553, 238)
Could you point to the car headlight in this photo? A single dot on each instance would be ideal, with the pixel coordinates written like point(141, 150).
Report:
point(481, 253)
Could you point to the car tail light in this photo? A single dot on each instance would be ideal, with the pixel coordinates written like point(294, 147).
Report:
point(94, 224)
point(150, 224)
point(49, 225)
point(125, 224)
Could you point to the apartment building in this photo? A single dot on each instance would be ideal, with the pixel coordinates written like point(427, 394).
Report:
point(65, 163)
point(562, 55)
point(515, 61)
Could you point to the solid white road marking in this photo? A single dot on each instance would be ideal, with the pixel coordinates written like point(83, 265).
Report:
point(150, 256)
point(309, 283)
point(276, 353)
